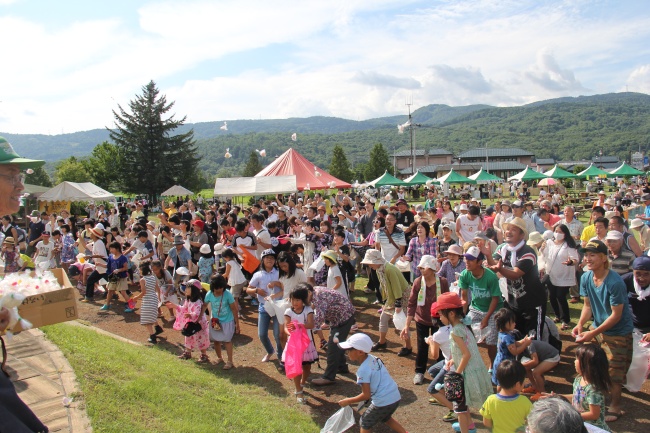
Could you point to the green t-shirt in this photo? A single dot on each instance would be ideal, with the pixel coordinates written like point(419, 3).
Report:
point(508, 413)
point(482, 290)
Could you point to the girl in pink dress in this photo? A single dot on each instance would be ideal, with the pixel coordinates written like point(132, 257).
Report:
point(192, 310)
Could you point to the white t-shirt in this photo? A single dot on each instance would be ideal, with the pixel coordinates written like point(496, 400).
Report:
point(44, 252)
point(99, 249)
point(264, 236)
point(468, 227)
point(442, 337)
point(290, 283)
point(236, 276)
point(332, 273)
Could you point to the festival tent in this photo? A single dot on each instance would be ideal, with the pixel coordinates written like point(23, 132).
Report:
point(626, 170)
point(308, 176)
point(483, 176)
point(558, 172)
point(241, 186)
point(417, 179)
point(72, 191)
point(594, 171)
point(386, 179)
point(454, 177)
point(528, 174)
point(176, 190)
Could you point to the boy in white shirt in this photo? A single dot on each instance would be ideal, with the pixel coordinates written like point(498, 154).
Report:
point(44, 251)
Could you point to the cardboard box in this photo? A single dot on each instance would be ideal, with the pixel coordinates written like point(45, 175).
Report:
point(51, 307)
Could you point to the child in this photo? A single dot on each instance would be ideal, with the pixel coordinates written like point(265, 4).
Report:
point(439, 342)
point(227, 232)
point(301, 312)
point(167, 292)
point(206, 263)
point(150, 294)
point(334, 277)
point(507, 346)
point(10, 256)
point(117, 273)
point(234, 276)
point(44, 255)
point(506, 411)
point(192, 311)
point(224, 323)
point(541, 358)
point(26, 263)
point(465, 357)
point(376, 385)
point(591, 385)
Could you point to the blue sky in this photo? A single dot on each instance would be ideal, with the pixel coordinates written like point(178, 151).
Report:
point(67, 64)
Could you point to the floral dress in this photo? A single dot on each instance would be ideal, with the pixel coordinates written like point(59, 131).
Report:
point(200, 340)
point(583, 396)
point(477, 380)
point(67, 250)
point(11, 261)
point(323, 244)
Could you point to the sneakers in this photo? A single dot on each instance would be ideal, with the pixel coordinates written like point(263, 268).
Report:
point(153, 339)
point(105, 307)
point(450, 417)
point(378, 346)
point(128, 310)
point(267, 357)
point(158, 329)
point(529, 390)
point(418, 379)
point(456, 427)
point(404, 351)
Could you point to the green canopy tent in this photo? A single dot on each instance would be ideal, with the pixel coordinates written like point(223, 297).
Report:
point(558, 172)
point(386, 179)
point(528, 174)
point(483, 176)
point(417, 179)
point(454, 177)
point(593, 171)
point(626, 170)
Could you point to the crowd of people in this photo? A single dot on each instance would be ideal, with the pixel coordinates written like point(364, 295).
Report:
point(464, 274)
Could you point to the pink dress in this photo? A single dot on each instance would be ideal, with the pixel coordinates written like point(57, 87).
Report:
point(200, 340)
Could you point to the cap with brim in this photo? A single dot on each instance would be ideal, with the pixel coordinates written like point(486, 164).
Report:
point(481, 235)
point(401, 201)
point(330, 254)
point(373, 257)
point(34, 213)
point(47, 234)
point(447, 301)
point(357, 341)
point(641, 263)
point(517, 203)
point(636, 223)
point(594, 246)
point(9, 156)
point(473, 253)
point(455, 249)
point(178, 240)
point(268, 252)
point(614, 235)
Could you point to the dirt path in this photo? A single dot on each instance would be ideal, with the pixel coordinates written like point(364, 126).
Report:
point(415, 413)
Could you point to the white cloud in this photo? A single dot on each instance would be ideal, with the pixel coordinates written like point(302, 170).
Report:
point(639, 80)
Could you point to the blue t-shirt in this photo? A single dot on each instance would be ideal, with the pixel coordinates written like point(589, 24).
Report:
point(383, 389)
point(118, 263)
point(223, 313)
point(261, 280)
point(611, 293)
point(646, 212)
point(505, 340)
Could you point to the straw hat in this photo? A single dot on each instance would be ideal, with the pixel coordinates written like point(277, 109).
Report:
point(330, 254)
point(517, 222)
point(97, 232)
point(9, 240)
point(534, 238)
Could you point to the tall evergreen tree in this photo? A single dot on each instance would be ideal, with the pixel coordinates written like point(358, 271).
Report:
point(340, 167)
point(378, 163)
point(253, 165)
point(152, 159)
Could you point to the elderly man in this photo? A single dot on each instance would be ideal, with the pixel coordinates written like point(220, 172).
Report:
point(14, 413)
point(573, 224)
point(629, 242)
point(646, 212)
point(517, 262)
point(620, 259)
point(179, 257)
point(548, 219)
point(639, 226)
point(638, 293)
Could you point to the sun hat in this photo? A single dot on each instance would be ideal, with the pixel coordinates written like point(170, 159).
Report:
point(373, 257)
point(601, 192)
point(636, 223)
point(97, 232)
point(178, 240)
point(268, 252)
point(517, 222)
point(199, 224)
point(455, 249)
point(330, 254)
point(594, 246)
point(100, 226)
point(205, 249)
point(219, 248)
point(194, 282)
point(462, 206)
point(428, 261)
point(357, 341)
point(9, 156)
point(473, 253)
point(506, 203)
point(614, 235)
point(610, 202)
point(547, 235)
point(447, 301)
point(9, 240)
point(534, 238)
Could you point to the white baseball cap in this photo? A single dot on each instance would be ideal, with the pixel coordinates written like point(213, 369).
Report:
point(357, 341)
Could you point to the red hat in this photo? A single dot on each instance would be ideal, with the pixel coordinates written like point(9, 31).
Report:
point(198, 223)
point(447, 301)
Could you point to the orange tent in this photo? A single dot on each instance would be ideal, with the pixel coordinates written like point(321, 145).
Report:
point(291, 162)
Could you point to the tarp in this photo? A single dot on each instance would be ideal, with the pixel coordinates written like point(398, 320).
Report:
point(593, 171)
point(386, 179)
point(483, 176)
point(528, 174)
point(417, 179)
point(454, 177)
point(72, 191)
point(558, 172)
point(307, 174)
point(626, 170)
point(176, 190)
point(240, 186)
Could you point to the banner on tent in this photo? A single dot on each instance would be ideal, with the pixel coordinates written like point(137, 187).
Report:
point(54, 206)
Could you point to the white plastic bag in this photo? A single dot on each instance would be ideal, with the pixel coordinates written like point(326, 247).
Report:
point(342, 420)
point(640, 366)
point(269, 307)
point(318, 264)
point(403, 266)
point(503, 285)
point(479, 334)
point(399, 320)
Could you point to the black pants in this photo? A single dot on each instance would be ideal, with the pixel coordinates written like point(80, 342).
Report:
point(15, 415)
point(336, 355)
point(373, 283)
point(531, 319)
point(90, 283)
point(558, 298)
point(422, 357)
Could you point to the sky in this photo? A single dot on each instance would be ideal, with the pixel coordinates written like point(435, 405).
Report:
point(68, 64)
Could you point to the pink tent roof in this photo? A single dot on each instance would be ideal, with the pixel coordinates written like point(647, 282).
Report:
point(291, 162)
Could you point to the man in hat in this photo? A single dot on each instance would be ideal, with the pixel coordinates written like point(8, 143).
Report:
point(620, 259)
point(518, 212)
point(517, 262)
point(430, 203)
point(638, 292)
point(639, 226)
point(179, 256)
point(617, 223)
point(405, 217)
point(99, 256)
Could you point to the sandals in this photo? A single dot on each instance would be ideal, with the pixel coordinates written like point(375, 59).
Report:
point(185, 355)
point(565, 326)
point(219, 361)
point(203, 359)
point(300, 397)
point(614, 416)
point(228, 366)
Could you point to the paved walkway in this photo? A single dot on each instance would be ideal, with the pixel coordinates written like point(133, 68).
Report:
point(43, 377)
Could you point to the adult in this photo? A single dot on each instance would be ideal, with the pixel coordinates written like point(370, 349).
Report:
point(518, 211)
point(561, 260)
point(14, 413)
point(467, 225)
point(639, 226)
point(424, 293)
point(197, 239)
point(419, 246)
point(620, 259)
point(391, 240)
point(638, 293)
point(646, 211)
point(573, 224)
point(617, 223)
point(554, 415)
point(452, 264)
point(9, 230)
point(517, 262)
point(337, 311)
point(262, 236)
point(365, 226)
point(405, 217)
point(431, 199)
point(539, 222)
point(99, 256)
point(548, 219)
point(178, 257)
point(606, 301)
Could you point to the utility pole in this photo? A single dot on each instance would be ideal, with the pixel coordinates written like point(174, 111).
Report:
point(410, 123)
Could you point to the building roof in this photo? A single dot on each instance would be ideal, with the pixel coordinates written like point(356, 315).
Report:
point(605, 159)
point(490, 166)
point(407, 152)
point(495, 153)
point(439, 152)
point(545, 161)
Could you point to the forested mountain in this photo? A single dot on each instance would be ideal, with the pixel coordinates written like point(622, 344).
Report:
point(564, 128)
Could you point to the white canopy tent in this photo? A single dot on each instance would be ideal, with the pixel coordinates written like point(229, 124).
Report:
point(177, 190)
point(264, 185)
point(72, 191)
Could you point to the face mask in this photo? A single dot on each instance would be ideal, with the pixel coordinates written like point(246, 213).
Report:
point(558, 236)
